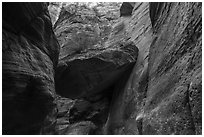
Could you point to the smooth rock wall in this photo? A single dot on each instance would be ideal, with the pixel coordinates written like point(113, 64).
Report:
point(129, 99)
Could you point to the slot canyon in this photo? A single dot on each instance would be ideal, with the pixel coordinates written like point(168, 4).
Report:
point(102, 68)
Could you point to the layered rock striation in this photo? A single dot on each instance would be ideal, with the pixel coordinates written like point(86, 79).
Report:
point(142, 76)
point(163, 93)
point(91, 76)
point(29, 56)
point(173, 102)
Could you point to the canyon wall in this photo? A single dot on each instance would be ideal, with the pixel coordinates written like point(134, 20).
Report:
point(137, 74)
point(164, 92)
point(30, 53)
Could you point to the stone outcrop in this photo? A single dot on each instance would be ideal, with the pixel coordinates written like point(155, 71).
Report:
point(163, 93)
point(54, 9)
point(91, 80)
point(128, 99)
point(173, 99)
point(80, 27)
point(29, 57)
point(90, 76)
point(142, 76)
point(93, 71)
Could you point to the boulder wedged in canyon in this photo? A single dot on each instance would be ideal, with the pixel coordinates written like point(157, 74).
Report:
point(87, 66)
point(29, 55)
point(80, 27)
point(120, 68)
point(91, 72)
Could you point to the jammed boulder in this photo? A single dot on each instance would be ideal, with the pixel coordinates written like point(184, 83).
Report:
point(92, 77)
point(92, 72)
point(29, 56)
point(81, 26)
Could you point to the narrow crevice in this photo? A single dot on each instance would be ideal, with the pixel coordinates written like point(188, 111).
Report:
point(190, 109)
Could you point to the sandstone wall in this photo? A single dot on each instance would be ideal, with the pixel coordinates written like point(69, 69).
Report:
point(145, 78)
point(163, 93)
point(29, 57)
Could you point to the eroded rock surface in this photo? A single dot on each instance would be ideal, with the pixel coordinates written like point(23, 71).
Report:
point(92, 72)
point(163, 93)
point(140, 74)
point(128, 100)
point(81, 27)
point(54, 9)
point(91, 75)
point(174, 67)
point(29, 56)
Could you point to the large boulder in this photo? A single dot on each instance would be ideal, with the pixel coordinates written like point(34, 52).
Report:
point(87, 67)
point(94, 71)
point(90, 74)
point(29, 56)
point(81, 26)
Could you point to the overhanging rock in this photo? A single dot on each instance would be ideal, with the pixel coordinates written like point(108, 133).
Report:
point(93, 72)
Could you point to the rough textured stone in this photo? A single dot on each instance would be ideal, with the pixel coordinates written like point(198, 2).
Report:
point(81, 27)
point(76, 38)
point(63, 114)
point(145, 78)
point(129, 98)
point(80, 128)
point(54, 9)
point(163, 93)
point(29, 56)
point(93, 71)
point(91, 75)
point(126, 9)
point(172, 69)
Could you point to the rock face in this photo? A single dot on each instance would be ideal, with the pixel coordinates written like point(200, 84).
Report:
point(163, 93)
point(173, 99)
point(128, 101)
point(93, 72)
point(29, 56)
point(54, 9)
point(90, 76)
point(142, 76)
point(81, 27)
